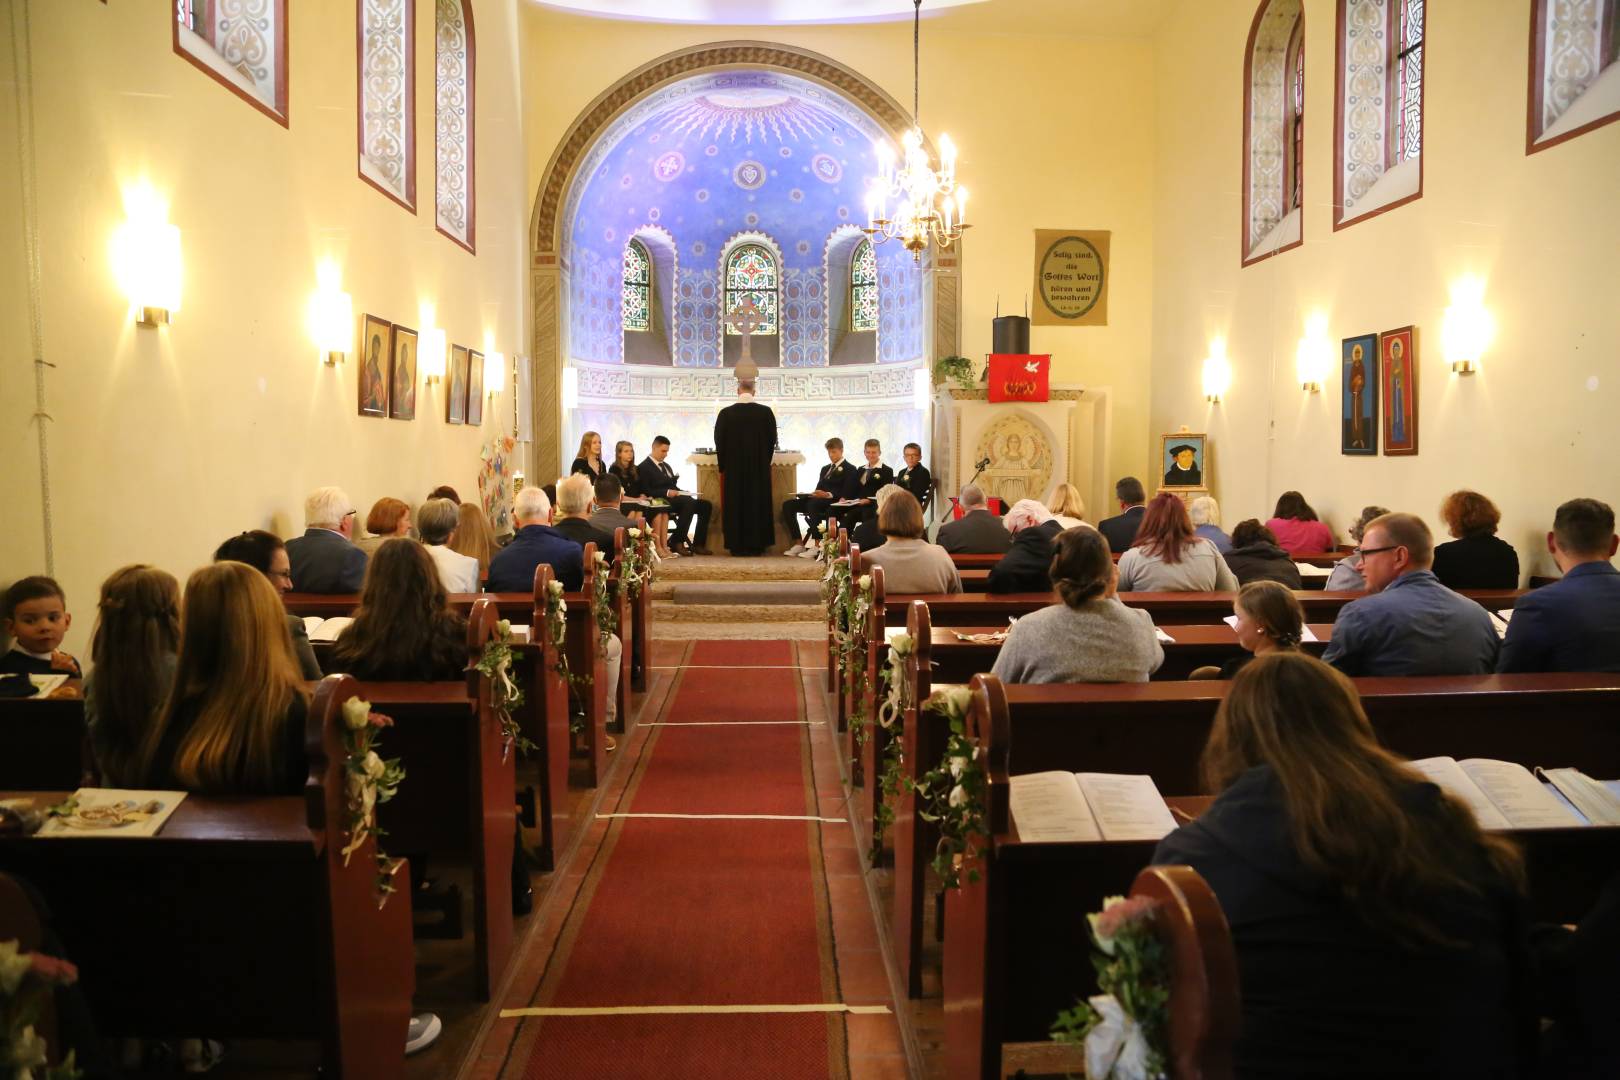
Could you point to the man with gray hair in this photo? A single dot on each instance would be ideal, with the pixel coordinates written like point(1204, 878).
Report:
point(512, 569)
point(1205, 513)
point(573, 510)
point(977, 531)
point(1027, 565)
point(1409, 623)
point(436, 522)
point(324, 560)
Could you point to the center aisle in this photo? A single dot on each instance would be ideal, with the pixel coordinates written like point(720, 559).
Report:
point(706, 937)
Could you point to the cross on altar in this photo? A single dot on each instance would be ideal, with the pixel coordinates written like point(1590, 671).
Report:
point(745, 318)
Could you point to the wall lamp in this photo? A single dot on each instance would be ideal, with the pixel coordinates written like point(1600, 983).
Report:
point(331, 314)
point(430, 354)
point(146, 256)
point(1217, 372)
point(1468, 327)
point(1314, 355)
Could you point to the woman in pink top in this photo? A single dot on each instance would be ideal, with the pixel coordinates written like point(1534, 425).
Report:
point(1296, 526)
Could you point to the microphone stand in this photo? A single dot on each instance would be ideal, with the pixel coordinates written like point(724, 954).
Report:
point(956, 502)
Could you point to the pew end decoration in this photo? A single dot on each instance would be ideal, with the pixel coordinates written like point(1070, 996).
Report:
point(1168, 976)
point(850, 636)
point(637, 563)
point(370, 780)
point(551, 611)
point(28, 979)
point(607, 616)
point(492, 646)
point(952, 793)
point(891, 718)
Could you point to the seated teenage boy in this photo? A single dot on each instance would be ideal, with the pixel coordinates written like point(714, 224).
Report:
point(837, 481)
point(871, 477)
point(914, 477)
point(37, 620)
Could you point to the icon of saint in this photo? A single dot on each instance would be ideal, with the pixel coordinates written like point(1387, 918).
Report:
point(1397, 393)
point(1358, 386)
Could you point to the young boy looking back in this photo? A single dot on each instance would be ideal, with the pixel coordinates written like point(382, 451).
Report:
point(37, 619)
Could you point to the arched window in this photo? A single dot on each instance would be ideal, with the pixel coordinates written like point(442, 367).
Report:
point(453, 120)
point(1273, 130)
point(1378, 111)
point(751, 272)
point(635, 303)
point(863, 288)
point(387, 76)
point(1574, 70)
point(242, 45)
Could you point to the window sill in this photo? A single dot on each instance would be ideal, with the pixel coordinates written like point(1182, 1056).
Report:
point(1402, 182)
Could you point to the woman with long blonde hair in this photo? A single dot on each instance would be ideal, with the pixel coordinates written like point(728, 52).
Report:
point(1378, 929)
point(589, 459)
point(473, 536)
point(136, 637)
point(1067, 506)
point(233, 723)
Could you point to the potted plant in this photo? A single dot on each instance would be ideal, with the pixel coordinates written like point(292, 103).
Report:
point(959, 368)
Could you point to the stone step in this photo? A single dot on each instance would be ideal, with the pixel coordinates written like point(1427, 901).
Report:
point(740, 614)
point(743, 592)
point(725, 568)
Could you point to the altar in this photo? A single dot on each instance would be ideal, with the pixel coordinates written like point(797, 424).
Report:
point(784, 484)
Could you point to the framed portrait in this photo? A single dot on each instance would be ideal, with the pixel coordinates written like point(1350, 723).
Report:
point(1397, 350)
point(1358, 370)
point(455, 403)
point(402, 375)
point(475, 388)
point(1182, 460)
point(376, 339)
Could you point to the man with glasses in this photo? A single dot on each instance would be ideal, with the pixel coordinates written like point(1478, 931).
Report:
point(1409, 623)
point(323, 559)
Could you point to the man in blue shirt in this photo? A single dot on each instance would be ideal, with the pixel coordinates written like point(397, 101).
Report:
point(1574, 623)
point(512, 568)
point(1409, 623)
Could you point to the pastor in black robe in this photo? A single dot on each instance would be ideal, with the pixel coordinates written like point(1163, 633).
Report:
point(744, 439)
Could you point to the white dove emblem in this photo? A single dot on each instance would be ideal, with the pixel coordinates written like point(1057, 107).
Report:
point(1032, 366)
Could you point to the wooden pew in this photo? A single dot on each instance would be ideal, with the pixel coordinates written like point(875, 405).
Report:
point(640, 638)
point(923, 744)
point(544, 718)
point(1172, 608)
point(458, 800)
point(1003, 932)
point(975, 561)
point(622, 613)
point(584, 651)
point(834, 675)
point(977, 580)
point(863, 699)
point(43, 743)
point(241, 919)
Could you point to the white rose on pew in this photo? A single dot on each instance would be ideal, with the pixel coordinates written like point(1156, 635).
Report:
point(356, 713)
point(1116, 1049)
point(556, 587)
point(601, 557)
point(960, 699)
point(958, 795)
point(504, 628)
point(363, 792)
point(902, 644)
point(958, 765)
point(865, 582)
point(633, 534)
point(374, 766)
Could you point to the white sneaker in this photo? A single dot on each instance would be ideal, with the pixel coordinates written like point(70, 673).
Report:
point(423, 1030)
point(796, 549)
point(810, 553)
point(669, 554)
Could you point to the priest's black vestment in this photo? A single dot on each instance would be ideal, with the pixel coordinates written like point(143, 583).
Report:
point(744, 439)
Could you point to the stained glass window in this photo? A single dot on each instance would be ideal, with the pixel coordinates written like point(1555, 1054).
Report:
point(863, 288)
point(1296, 127)
point(186, 12)
point(1407, 98)
point(751, 272)
point(635, 304)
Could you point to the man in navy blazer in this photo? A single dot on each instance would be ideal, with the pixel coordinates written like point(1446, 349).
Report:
point(659, 481)
point(512, 569)
point(1120, 530)
point(323, 560)
point(1574, 623)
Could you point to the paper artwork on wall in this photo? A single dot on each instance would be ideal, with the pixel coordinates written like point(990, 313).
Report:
point(1358, 366)
point(475, 388)
point(1398, 351)
point(402, 375)
point(455, 405)
point(375, 343)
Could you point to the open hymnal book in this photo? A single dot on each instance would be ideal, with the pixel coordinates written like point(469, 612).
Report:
point(1060, 807)
point(1304, 631)
point(325, 629)
point(1505, 795)
point(1310, 570)
point(46, 685)
point(111, 812)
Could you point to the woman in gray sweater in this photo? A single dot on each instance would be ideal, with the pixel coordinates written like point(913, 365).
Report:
point(1169, 557)
point(1091, 636)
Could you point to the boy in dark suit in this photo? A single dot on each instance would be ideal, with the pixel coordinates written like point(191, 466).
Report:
point(872, 476)
point(37, 620)
point(914, 477)
point(837, 481)
point(659, 481)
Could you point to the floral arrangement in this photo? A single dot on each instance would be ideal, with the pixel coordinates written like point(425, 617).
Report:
point(556, 618)
point(607, 617)
point(1126, 1026)
point(636, 563)
point(371, 780)
point(850, 640)
point(952, 793)
point(504, 692)
point(835, 578)
point(891, 715)
point(26, 981)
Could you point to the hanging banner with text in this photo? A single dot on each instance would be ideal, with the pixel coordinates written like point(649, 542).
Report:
point(1071, 277)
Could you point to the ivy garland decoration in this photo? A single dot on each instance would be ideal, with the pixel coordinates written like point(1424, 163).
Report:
point(370, 781)
point(891, 717)
point(556, 616)
point(505, 692)
point(851, 641)
point(637, 563)
point(952, 793)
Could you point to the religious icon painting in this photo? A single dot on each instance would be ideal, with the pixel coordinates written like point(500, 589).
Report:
point(455, 404)
point(475, 388)
point(1398, 349)
point(375, 344)
point(402, 375)
point(1358, 431)
point(1183, 461)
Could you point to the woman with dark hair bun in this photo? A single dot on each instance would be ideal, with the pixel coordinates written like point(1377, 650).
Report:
point(1091, 636)
point(1477, 558)
point(1255, 556)
point(1296, 526)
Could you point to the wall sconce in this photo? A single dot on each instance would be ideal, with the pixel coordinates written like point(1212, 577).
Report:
point(430, 354)
point(146, 257)
point(331, 315)
point(1313, 356)
point(494, 373)
point(1217, 372)
point(1468, 327)
point(570, 388)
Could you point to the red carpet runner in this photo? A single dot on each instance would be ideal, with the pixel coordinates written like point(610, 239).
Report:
point(698, 911)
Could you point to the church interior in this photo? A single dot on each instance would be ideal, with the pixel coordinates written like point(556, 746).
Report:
point(390, 269)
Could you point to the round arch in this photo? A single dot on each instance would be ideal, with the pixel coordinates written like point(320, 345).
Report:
point(546, 226)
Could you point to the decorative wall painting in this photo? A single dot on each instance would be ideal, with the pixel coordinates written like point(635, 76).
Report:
point(402, 375)
point(475, 388)
point(455, 404)
point(1358, 366)
point(1183, 460)
point(1398, 349)
point(375, 344)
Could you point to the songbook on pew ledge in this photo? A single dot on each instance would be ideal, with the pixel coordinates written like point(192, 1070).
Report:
point(1506, 795)
point(320, 629)
point(108, 812)
point(1065, 807)
point(46, 685)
